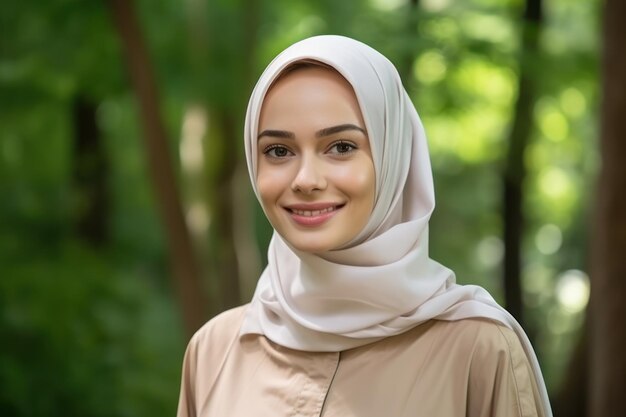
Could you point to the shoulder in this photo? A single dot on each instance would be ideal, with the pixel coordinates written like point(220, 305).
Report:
point(480, 337)
point(494, 346)
point(215, 337)
point(472, 344)
point(209, 346)
point(206, 352)
point(223, 326)
point(220, 331)
point(490, 347)
point(462, 340)
point(499, 373)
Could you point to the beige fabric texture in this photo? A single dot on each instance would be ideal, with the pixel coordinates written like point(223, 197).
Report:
point(464, 368)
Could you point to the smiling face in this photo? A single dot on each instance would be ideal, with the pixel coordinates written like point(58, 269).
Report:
point(315, 171)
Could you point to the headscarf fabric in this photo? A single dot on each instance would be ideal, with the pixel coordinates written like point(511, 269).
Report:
point(383, 282)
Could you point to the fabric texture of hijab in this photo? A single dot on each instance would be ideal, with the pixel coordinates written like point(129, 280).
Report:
point(383, 282)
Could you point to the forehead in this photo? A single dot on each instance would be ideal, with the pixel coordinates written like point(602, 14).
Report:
point(311, 87)
point(299, 75)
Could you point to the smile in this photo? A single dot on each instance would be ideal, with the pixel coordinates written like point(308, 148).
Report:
point(311, 213)
point(314, 214)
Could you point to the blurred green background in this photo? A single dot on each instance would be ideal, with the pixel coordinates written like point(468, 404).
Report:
point(91, 320)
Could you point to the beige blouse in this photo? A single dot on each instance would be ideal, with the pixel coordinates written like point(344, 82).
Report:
point(466, 368)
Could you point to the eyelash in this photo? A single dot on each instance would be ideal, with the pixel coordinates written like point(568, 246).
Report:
point(352, 146)
point(270, 148)
point(267, 151)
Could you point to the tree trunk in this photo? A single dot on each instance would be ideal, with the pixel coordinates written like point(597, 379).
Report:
point(248, 253)
point(221, 202)
point(90, 171)
point(186, 276)
point(231, 251)
point(515, 171)
point(572, 399)
point(608, 271)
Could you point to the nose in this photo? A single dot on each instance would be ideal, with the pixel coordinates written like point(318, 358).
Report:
point(310, 176)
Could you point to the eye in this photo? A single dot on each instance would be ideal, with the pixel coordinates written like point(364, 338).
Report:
point(277, 151)
point(342, 148)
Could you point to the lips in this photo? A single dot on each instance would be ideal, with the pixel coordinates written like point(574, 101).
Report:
point(312, 214)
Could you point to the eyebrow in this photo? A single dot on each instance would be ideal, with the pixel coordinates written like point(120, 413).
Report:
point(320, 133)
point(337, 129)
point(277, 134)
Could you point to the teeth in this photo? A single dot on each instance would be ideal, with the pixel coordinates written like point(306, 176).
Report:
point(311, 213)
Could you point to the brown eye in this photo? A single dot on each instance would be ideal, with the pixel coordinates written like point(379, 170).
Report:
point(277, 151)
point(342, 148)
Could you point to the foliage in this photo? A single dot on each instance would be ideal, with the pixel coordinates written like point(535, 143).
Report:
point(80, 338)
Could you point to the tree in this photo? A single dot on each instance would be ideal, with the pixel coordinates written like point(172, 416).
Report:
point(608, 278)
point(222, 43)
point(515, 171)
point(186, 276)
point(90, 171)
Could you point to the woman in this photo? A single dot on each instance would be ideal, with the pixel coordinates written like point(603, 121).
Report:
point(351, 317)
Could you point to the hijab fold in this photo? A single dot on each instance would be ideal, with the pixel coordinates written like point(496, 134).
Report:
point(383, 282)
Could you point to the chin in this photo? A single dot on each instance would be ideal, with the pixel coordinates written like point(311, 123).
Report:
point(310, 245)
point(308, 248)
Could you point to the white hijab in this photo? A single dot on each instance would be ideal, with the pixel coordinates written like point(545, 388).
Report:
point(383, 283)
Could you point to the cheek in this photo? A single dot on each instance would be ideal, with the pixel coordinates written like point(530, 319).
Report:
point(265, 188)
point(359, 181)
point(270, 184)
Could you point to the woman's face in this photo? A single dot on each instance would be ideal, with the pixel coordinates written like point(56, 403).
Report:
point(315, 171)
